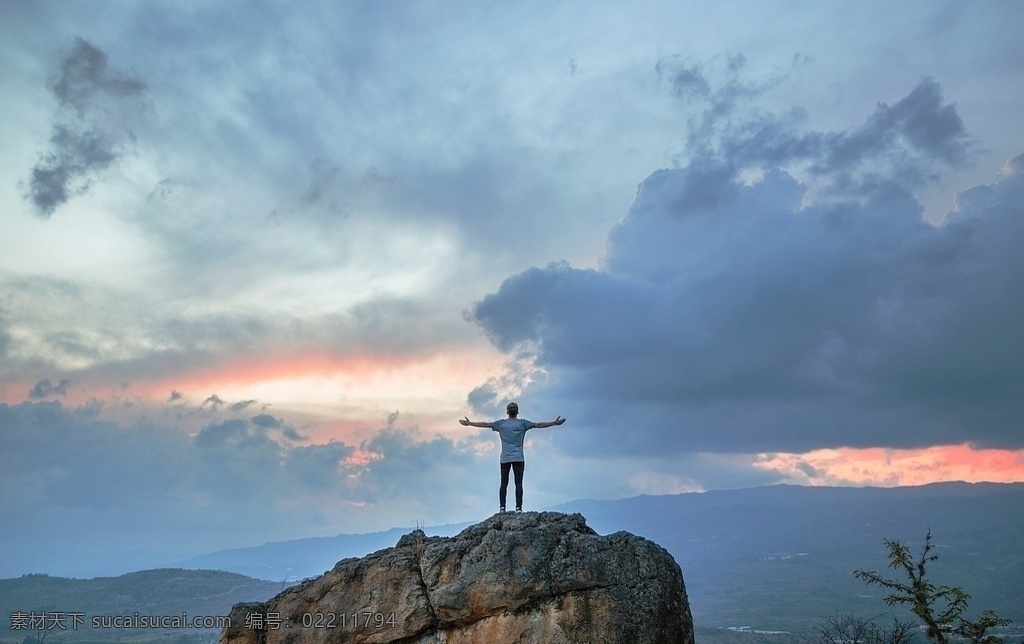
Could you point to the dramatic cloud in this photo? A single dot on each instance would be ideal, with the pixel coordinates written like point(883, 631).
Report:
point(5, 339)
point(88, 331)
point(904, 143)
point(760, 316)
point(46, 389)
point(89, 134)
point(241, 478)
point(214, 401)
point(696, 84)
point(491, 397)
point(84, 74)
point(267, 421)
point(400, 458)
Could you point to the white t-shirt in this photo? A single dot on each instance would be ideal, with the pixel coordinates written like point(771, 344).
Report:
point(512, 432)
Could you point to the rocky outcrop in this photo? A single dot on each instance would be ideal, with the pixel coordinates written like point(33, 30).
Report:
point(532, 577)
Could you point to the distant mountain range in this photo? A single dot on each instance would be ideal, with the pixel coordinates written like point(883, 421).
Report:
point(170, 591)
point(781, 557)
point(769, 558)
point(301, 558)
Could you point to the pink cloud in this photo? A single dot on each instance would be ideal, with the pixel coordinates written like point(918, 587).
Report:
point(890, 467)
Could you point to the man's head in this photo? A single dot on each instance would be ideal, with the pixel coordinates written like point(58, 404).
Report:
point(512, 409)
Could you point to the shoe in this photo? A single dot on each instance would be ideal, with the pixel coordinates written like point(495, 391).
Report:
point(501, 509)
point(519, 509)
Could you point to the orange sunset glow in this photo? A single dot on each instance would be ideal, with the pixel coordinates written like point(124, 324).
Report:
point(891, 467)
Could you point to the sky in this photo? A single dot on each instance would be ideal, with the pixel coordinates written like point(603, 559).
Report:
point(257, 259)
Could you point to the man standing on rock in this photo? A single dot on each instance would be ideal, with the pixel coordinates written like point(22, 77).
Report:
point(512, 431)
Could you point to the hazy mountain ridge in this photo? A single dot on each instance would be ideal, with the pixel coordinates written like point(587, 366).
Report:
point(295, 560)
point(728, 543)
point(168, 591)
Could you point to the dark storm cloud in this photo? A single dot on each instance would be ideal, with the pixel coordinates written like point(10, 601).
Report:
point(907, 143)
point(46, 389)
point(717, 88)
point(101, 480)
point(234, 433)
point(266, 421)
point(401, 460)
point(734, 316)
point(686, 78)
point(214, 401)
point(98, 478)
point(87, 136)
point(319, 465)
point(84, 73)
point(920, 119)
point(64, 460)
point(911, 138)
point(241, 404)
point(224, 433)
point(5, 337)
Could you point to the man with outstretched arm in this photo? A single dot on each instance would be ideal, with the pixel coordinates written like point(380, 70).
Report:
point(512, 431)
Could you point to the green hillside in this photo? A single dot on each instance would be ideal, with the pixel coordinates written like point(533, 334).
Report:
point(187, 596)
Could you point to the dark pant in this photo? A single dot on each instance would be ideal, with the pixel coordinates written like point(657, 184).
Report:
point(517, 468)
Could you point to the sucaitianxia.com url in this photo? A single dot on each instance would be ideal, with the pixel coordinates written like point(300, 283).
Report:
point(72, 620)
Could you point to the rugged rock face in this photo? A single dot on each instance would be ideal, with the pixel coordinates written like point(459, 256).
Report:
point(532, 577)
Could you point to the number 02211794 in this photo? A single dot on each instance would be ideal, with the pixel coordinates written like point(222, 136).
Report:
point(355, 619)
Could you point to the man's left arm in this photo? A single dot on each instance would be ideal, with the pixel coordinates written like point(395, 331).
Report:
point(557, 421)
